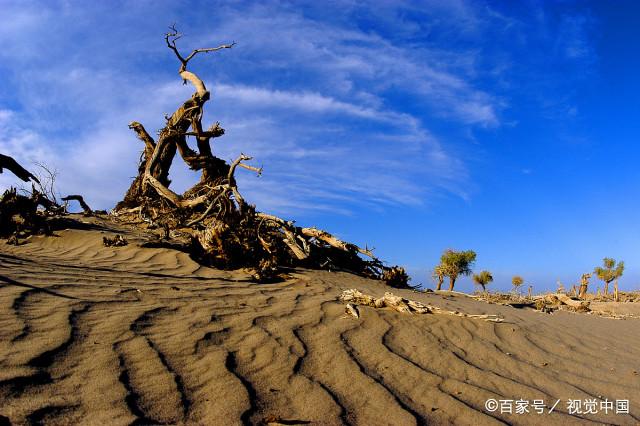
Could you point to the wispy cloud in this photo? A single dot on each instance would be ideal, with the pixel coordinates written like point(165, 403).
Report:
point(365, 66)
point(573, 40)
point(306, 101)
point(339, 113)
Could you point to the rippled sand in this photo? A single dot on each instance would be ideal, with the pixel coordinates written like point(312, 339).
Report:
point(130, 335)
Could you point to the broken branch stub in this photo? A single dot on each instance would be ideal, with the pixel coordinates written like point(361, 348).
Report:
point(12, 165)
point(351, 310)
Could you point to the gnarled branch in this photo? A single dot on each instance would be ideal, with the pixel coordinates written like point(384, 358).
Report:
point(171, 38)
point(79, 199)
point(335, 242)
point(12, 165)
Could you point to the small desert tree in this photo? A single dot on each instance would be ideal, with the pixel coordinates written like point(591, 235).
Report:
point(457, 263)
point(482, 279)
point(609, 272)
point(439, 273)
point(517, 282)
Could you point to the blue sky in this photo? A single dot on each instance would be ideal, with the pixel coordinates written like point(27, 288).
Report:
point(509, 128)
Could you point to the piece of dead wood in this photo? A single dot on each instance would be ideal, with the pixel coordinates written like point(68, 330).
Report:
point(334, 242)
point(85, 207)
point(400, 304)
point(12, 165)
point(350, 309)
point(117, 241)
point(570, 302)
point(277, 421)
point(557, 299)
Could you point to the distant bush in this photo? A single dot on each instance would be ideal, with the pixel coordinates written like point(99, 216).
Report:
point(482, 279)
point(517, 282)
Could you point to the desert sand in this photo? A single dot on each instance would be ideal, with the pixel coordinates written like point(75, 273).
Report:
point(128, 335)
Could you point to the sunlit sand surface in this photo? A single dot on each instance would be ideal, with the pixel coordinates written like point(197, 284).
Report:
point(121, 335)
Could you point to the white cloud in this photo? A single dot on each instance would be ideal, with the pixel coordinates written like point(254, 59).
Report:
point(345, 62)
point(305, 101)
point(309, 99)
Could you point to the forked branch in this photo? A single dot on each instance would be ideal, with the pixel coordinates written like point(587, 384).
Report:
point(171, 38)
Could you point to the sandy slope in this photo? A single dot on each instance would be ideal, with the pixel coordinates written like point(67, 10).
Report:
point(98, 335)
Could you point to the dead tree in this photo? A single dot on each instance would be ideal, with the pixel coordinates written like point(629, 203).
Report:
point(153, 172)
point(224, 229)
point(584, 285)
point(27, 212)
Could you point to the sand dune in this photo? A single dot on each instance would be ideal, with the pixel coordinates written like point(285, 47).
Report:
point(128, 335)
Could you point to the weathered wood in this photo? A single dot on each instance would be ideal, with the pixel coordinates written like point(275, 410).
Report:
point(85, 207)
point(400, 304)
point(227, 232)
point(557, 299)
point(116, 241)
point(333, 241)
point(351, 310)
point(570, 302)
point(12, 165)
point(143, 135)
point(584, 284)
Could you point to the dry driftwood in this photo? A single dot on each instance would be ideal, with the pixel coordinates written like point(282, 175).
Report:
point(400, 304)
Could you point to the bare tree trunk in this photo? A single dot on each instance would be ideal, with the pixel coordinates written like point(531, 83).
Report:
point(452, 282)
point(584, 283)
point(440, 281)
point(606, 288)
point(583, 290)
